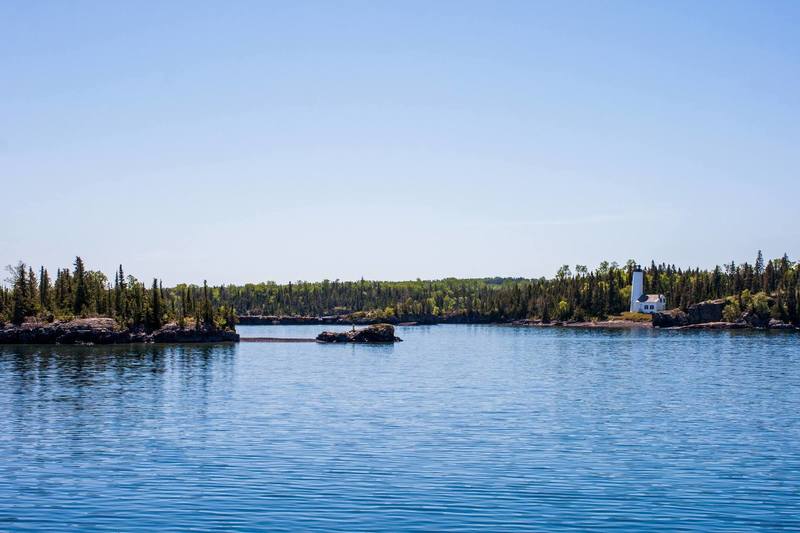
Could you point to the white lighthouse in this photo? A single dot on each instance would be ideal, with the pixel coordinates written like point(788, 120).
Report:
point(644, 303)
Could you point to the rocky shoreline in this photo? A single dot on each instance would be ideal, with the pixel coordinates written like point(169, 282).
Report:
point(598, 324)
point(347, 320)
point(374, 334)
point(774, 325)
point(705, 315)
point(711, 315)
point(702, 316)
point(107, 331)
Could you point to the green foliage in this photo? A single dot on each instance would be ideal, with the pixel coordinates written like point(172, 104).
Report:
point(80, 301)
point(731, 312)
point(581, 295)
point(588, 294)
point(759, 305)
point(636, 317)
point(564, 311)
point(746, 300)
point(156, 314)
point(88, 293)
point(22, 301)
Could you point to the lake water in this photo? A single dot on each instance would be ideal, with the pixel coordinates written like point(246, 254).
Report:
point(458, 427)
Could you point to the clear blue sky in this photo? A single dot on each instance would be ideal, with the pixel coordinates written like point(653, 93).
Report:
point(248, 141)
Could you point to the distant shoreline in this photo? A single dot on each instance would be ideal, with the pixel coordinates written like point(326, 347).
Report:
point(430, 321)
point(104, 331)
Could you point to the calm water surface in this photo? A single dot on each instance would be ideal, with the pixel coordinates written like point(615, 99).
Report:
point(458, 427)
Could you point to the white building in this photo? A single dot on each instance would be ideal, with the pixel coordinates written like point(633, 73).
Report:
point(645, 303)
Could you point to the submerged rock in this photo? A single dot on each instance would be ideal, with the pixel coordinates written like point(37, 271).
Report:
point(377, 333)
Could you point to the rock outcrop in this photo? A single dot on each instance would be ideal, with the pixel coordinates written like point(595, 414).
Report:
point(171, 333)
point(375, 334)
point(674, 318)
point(709, 315)
point(755, 320)
point(105, 331)
point(779, 324)
point(709, 311)
point(700, 313)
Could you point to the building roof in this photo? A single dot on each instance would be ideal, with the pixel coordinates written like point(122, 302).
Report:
point(650, 298)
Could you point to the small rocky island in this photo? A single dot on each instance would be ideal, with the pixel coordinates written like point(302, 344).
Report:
point(375, 334)
point(108, 331)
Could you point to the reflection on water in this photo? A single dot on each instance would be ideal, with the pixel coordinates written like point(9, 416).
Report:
point(457, 427)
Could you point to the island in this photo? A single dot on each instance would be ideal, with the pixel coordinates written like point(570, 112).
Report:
point(375, 334)
point(87, 331)
point(79, 305)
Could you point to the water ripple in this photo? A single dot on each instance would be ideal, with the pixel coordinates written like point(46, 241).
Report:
point(459, 427)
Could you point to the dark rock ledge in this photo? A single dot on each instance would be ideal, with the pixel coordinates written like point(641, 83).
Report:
point(106, 331)
point(377, 333)
point(709, 315)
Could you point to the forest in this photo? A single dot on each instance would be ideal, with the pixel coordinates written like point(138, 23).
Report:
point(573, 293)
point(82, 293)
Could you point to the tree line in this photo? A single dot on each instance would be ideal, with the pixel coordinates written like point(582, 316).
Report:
point(572, 294)
point(81, 292)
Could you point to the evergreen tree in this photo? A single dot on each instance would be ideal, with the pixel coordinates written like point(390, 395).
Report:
point(44, 291)
point(33, 293)
point(208, 316)
point(121, 291)
point(21, 301)
point(758, 271)
point(155, 306)
point(81, 298)
point(792, 304)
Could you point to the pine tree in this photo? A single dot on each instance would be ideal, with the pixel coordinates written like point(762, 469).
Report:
point(121, 291)
point(21, 300)
point(33, 293)
point(758, 271)
point(156, 312)
point(81, 298)
point(792, 304)
point(45, 303)
point(4, 304)
point(208, 316)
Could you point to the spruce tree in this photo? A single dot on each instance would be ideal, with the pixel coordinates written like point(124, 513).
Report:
point(45, 303)
point(121, 296)
point(208, 315)
point(758, 272)
point(156, 311)
point(792, 304)
point(21, 299)
point(81, 297)
point(33, 293)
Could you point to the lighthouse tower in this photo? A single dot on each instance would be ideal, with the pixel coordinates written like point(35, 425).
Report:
point(637, 288)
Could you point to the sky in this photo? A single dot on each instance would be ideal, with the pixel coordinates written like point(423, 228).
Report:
point(252, 141)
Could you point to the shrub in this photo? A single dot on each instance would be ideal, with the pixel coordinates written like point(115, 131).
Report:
point(636, 317)
point(732, 312)
point(760, 304)
point(563, 310)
